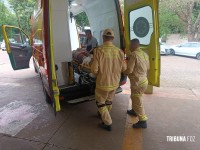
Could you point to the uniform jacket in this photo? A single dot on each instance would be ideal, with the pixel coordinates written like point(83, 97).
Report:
point(107, 65)
point(137, 67)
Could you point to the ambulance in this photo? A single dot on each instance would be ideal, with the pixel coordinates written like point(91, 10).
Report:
point(53, 38)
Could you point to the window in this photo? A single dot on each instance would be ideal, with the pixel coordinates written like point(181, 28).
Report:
point(16, 36)
point(141, 24)
point(185, 45)
point(195, 45)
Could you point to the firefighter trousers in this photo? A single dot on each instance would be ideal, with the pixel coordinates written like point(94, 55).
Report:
point(104, 104)
point(136, 96)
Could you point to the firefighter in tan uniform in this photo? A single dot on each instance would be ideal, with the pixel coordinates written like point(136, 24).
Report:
point(107, 66)
point(137, 67)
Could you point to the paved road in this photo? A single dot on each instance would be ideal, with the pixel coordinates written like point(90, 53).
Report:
point(178, 71)
point(27, 122)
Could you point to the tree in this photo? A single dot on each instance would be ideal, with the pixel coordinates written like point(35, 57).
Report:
point(170, 23)
point(189, 12)
point(6, 18)
point(82, 20)
point(23, 10)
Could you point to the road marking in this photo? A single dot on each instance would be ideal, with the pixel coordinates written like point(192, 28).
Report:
point(132, 137)
point(15, 116)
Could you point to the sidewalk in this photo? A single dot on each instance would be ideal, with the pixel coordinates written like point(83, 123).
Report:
point(171, 112)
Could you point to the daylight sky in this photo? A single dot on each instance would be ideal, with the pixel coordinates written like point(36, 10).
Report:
point(6, 3)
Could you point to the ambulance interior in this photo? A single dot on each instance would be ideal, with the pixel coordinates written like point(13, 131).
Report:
point(101, 15)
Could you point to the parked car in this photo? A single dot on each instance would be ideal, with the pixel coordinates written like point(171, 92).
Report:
point(3, 46)
point(164, 49)
point(191, 49)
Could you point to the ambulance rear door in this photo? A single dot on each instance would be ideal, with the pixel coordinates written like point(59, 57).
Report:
point(141, 22)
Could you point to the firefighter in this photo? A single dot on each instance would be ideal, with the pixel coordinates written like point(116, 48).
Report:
point(107, 66)
point(137, 67)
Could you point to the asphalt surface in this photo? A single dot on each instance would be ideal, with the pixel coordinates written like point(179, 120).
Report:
point(28, 123)
point(178, 71)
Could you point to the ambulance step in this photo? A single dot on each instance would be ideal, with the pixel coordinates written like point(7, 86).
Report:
point(82, 99)
point(77, 91)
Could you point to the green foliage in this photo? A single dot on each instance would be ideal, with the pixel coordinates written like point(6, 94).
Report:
point(23, 10)
point(82, 20)
point(188, 14)
point(169, 22)
point(6, 18)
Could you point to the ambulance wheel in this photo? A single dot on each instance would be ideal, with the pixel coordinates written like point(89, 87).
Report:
point(47, 98)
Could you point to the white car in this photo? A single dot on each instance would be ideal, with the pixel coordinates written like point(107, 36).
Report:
point(164, 49)
point(3, 46)
point(191, 49)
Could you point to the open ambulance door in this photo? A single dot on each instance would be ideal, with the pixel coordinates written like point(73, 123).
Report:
point(18, 47)
point(141, 22)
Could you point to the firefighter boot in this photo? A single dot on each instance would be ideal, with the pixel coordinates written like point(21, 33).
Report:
point(131, 112)
point(140, 124)
point(106, 127)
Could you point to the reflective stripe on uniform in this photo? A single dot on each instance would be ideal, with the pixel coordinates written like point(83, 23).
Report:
point(144, 82)
point(142, 117)
point(136, 95)
point(110, 54)
point(109, 107)
point(103, 109)
point(107, 88)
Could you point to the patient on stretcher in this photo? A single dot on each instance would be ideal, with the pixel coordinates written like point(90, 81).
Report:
point(81, 56)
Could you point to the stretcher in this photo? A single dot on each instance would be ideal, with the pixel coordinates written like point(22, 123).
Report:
point(78, 56)
point(82, 67)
